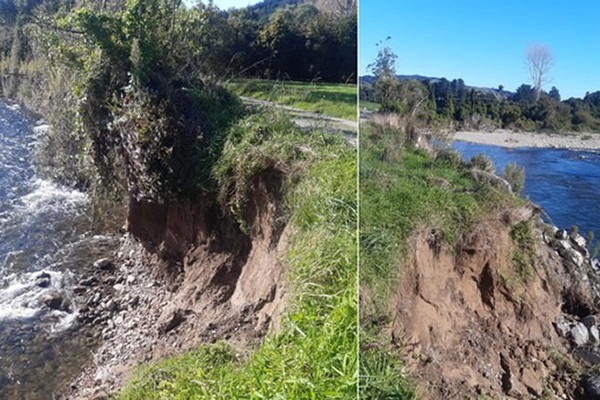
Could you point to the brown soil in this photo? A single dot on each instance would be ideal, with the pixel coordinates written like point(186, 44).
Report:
point(470, 327)
point(188, 275)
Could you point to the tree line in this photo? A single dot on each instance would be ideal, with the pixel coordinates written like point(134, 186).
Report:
point(452, 103)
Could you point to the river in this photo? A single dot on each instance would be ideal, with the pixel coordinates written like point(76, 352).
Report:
point(45, 241)
point(566, 183)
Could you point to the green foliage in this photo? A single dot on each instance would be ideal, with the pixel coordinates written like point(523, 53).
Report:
point(449, 157)
point(524, 250)
point(459, 107)
point(314, 354)
point(482, 163)
point(383, 376)
point(515, 175)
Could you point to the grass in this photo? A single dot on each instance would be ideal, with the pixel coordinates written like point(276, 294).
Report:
point(314, 355)
point(524, 252)
point(403, 190)
point(333, 100)
point(369, 106)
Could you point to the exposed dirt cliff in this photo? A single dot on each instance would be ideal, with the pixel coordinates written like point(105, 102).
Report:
point(471, 326)
point(186, 274)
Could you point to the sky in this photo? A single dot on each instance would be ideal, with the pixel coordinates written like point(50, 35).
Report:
point(227, 4)
point(485, 42)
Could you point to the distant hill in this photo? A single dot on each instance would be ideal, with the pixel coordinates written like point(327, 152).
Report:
point(484, 90)
point(264, 9)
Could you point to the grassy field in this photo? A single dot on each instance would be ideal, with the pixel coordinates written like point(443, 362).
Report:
point(334, 100)
point(401, 190)
point(314, 355)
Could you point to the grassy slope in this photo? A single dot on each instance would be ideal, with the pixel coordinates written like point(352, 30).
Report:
point(334, 100)
point(314, 355)
point(397, 198)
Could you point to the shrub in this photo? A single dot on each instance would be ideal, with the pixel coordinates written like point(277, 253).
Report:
point(450, 157)
point(482, 162)
point(515, 176)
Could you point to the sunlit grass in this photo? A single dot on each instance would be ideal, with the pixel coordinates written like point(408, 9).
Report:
point(334, 100)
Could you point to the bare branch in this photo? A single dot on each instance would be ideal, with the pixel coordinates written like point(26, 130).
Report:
point(539, 62)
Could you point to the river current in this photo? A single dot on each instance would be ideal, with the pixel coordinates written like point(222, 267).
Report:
point(566, 183)
point(45, 241)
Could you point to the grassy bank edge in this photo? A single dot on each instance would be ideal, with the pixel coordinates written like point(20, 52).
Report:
point(314, 354)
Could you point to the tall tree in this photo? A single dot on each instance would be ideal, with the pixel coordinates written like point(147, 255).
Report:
point(539, 62)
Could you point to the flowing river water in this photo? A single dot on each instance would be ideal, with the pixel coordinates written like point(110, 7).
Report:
point(45, 243)
point(566, 183)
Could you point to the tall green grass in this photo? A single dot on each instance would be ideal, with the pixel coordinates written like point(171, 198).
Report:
point(314, 355)
point(334, 100)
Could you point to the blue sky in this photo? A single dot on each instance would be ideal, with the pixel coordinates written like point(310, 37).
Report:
point(484, 42)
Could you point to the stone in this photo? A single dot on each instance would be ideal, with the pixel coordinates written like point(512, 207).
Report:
point(112, 305)
point(119, 288)
point(532, 381)
point(89, 281)
point(130, 280)
point(171, 320)
point(134, 301)
point(579, 242)
point(580, 334)
point(79, 289)
point(56, 300)
point(104, 264)
point(43, 280)
point(589, 321)
point(563, 327)
point(561, 234)
point(591, 385)
point(94, 300)
point(595, 264)
point(594, 334)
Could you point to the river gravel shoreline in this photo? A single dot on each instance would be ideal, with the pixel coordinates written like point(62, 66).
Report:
point(510, 139)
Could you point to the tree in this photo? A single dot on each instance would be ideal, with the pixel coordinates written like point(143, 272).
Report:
point(539, 62)
point(554, 93)
point(385, 63)
point(387, 87)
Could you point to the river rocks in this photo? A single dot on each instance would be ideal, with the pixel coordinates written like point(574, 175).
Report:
point(561, 234)
point(580, 334)
point(43, 280)
point(89, 281)
point(562, 325)
point(104, 264)
point(56, 300)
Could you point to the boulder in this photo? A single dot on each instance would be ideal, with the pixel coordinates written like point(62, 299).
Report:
point(594, 334)
point(104, 264)
point(56, 300)
point(562, 325)
point(589, 321)
point(580, 334)
point(579, 242)
point(43, 280)
point(561, 234)
point(171, 320)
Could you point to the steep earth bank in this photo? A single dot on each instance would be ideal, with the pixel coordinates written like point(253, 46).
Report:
point(472, 327)
point(185, 274)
